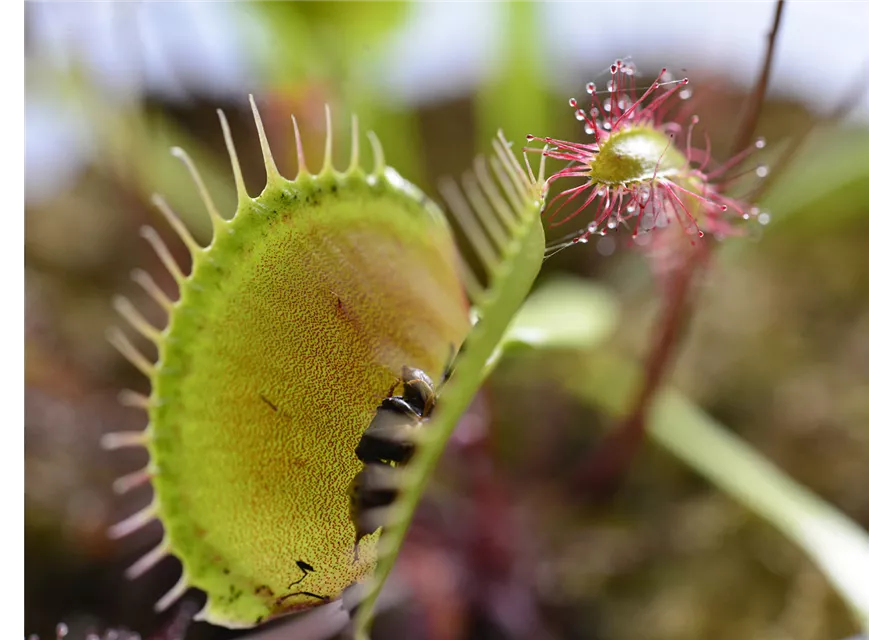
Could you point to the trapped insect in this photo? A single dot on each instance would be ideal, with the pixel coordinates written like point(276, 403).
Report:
point(386, 445)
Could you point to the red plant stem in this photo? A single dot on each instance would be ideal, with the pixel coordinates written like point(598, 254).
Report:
point(613, 455)
point(677, 302)
point(755, 103)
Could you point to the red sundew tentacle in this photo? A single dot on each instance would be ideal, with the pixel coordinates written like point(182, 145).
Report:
point(661, 106)
point(707, 150)
point(657, 102)
point(582, 147)
point(616, 98)
point(566, 174)
point(641, 205)
point(559, 175)
point(661, 157)
point(566, 156)
point(697, 196)
point(672, 202)
point(578, 155)
point(578, 147)
point(585, 204)
point(651, 89)
point(668, 188)
point(729, 203)
point(570, 172)
point(691, 128)
point(681, 109)
point(731, 162)
point(600, 209)
point(605, 213)
point(640, 215)
point(698, 156)
point(571, 194)
point(728, 181)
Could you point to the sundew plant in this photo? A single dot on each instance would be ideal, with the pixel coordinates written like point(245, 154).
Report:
point(322, 359)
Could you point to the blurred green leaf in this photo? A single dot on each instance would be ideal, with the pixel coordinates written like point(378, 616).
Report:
point(325, 40)
point(515, 97)
point(565, 313)
point(827, 182)
point(837, 545)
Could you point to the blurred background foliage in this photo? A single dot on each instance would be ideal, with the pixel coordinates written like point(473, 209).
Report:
point(505, 546)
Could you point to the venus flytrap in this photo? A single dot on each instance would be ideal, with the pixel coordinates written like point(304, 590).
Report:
point(288, 331)
point(290, 328)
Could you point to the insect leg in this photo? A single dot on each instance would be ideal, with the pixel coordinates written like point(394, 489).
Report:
point(303, 593)
point(305, 568)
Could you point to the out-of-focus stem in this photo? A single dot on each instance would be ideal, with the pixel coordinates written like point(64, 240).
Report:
point(612, 457)
point(755, 102)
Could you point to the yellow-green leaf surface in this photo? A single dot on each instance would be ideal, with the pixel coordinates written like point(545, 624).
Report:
point(291, 327)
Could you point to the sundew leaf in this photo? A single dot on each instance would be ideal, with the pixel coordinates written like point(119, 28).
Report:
point(290, 328)
point(503, 225)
